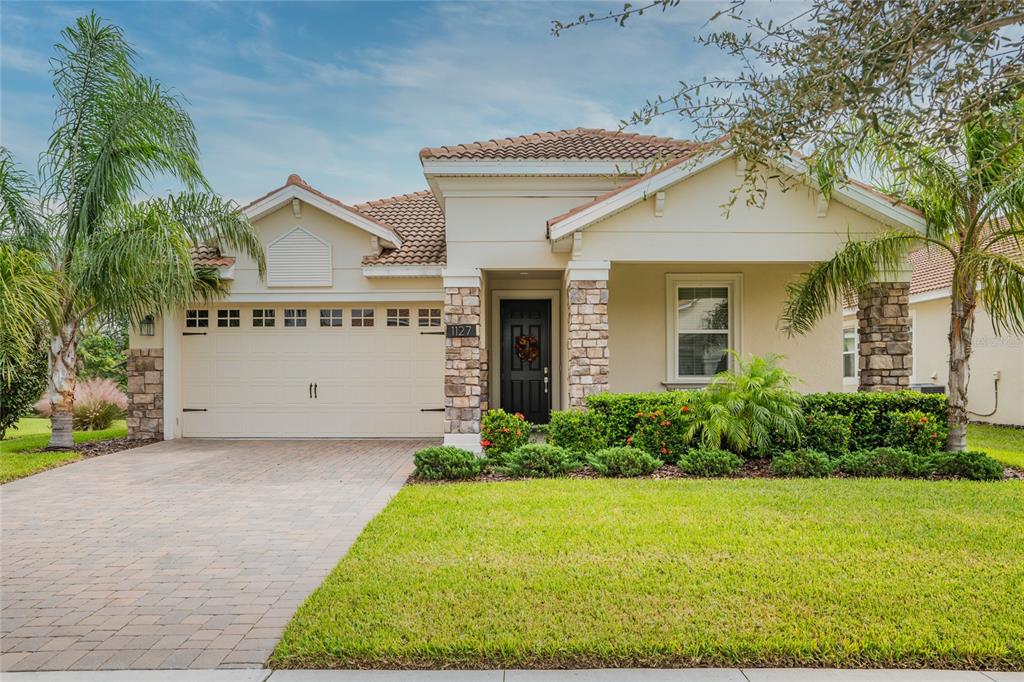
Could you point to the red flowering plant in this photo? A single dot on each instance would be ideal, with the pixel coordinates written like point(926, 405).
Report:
point(502, 432)
point(916, 431)
point(665, 433)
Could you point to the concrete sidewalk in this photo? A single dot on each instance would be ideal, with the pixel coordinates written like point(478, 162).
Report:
point(618, 675)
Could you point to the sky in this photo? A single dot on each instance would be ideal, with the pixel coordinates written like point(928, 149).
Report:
point(347, 93)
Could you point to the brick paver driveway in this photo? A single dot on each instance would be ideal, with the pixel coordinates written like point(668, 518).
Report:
point(185, 554)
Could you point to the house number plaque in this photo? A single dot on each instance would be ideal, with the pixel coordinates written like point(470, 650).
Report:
point(460, 331)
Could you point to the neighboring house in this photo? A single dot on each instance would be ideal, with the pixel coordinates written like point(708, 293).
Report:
point(997, 360)
point(534, 271)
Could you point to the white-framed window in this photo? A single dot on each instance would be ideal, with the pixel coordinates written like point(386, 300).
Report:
point(850, 359)
point(429, 317)
point(362, 317)
point(197, 318)
point(263, 317)
point(295, 317)
point(703, 325)
point(230, 317)
point(331, 317)
point(398, 317)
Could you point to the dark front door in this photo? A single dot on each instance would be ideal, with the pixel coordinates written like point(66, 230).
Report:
point(526, 358)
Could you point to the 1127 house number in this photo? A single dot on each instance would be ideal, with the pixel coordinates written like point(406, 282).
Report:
point(460, 331)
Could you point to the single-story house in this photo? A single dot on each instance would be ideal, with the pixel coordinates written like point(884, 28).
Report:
point(996, 390)
point(533, 271)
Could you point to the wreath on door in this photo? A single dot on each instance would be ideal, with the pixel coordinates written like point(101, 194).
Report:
point(527, 349)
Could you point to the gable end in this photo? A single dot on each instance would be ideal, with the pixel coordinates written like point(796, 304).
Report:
point(299, 259)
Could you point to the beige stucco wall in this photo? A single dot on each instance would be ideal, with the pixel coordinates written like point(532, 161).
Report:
point(638, 325)
point(694, 226)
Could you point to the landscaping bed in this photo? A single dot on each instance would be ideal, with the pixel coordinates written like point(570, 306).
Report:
point(721, 572)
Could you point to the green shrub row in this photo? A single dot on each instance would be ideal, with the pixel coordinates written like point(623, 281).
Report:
point(870, 411)
point(889, 463)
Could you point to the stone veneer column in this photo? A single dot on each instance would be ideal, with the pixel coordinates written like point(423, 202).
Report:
point(883, 327)
point(145, 393)
point(587, 287)
point(463, 385)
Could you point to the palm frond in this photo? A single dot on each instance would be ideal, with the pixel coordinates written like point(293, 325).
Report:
point(1000, 282)
point(19, 217)
point(29, 298)
point(211, 220)
point(822, 289)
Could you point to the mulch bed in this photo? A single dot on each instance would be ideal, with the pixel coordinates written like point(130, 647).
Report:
point(105, 447)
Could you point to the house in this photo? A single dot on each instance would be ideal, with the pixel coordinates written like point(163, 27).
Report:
point(996, 389)
point(534, 271)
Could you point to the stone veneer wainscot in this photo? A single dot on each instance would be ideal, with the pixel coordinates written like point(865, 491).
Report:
point(883, 326)
point(145, 393)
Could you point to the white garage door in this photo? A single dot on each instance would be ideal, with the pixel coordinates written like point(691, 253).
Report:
point(324, 370)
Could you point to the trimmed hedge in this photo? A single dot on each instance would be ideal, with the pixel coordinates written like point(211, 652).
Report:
point(828, 433)
point(622, 412)
point(446, 463)
point(577, 431)
point(539, 461)
point(887, 463)
point(803, 464)
point(870, 411)
point(623, 461)
point(970, 464)
point(710, 462)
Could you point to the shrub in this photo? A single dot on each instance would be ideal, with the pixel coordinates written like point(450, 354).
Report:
point(538, 461)
point(97, 403)
point(664, 433)
point(619, 413)
point(502, 432)
point(870, 411)
point(886, 462)
point(710, 462)
point(803, 463)
point(22, 386)
point(828, 433)
point(446, 463)
point(623, 461)
point(576, 431)
point(970, 464)
point(916, 431)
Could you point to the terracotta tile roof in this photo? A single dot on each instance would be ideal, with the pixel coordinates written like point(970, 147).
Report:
point(577, 143)
point(418, 220)
point(209, 256)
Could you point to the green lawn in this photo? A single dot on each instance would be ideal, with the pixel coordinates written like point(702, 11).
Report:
point(17, 456)
point(1000, 442)
point(606, 572)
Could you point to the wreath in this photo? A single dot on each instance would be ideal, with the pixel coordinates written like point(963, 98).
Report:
point(527, 349)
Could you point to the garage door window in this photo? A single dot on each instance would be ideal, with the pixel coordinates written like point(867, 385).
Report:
point(362, 317)
point(330, 317)
point(295, 317)
point(430, 317)
point(263, 317)
point(398, 317)
point(197, 318)
point(228, 318)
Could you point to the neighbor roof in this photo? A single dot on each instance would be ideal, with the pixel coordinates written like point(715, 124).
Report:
point(418, 220)
point(933, 266)
point(576, 144)
point(210, 256)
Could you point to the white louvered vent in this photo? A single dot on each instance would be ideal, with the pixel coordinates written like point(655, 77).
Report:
point(299, 259)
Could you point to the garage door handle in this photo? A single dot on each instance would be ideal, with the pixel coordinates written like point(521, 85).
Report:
point(311, 390)
point(431, 409)
point(314, 391)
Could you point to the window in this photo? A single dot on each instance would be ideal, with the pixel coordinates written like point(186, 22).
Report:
point(263, 317)
point(849, 353)
point(362, 317)
point(228, 318)
point(330, 317)
point(430, 317)
point(702, 324)
point(295, 317)
point(398, 317)
point(197, 318)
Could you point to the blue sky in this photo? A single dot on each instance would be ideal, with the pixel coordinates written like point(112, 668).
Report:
point(347, 93)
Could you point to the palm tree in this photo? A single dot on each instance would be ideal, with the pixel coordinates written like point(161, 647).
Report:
point(110, 252)
point(972, 197)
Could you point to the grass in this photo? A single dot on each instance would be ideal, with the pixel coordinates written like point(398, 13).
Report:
point(619, 573)
point(1000, 442)
point(18, 456)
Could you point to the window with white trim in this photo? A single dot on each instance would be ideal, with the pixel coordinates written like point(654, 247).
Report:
point(849, 354)
point(703, 313)
point(263, 317)
point(330, 317)
point(197, 318)
point(398, 317)
point(229, 318)
point(429, 317)
point(295, 317)
point(362, 317)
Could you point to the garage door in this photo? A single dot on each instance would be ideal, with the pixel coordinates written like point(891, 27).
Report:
point(303, 371)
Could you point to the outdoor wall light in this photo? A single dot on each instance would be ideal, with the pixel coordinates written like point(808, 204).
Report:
point(146, 326)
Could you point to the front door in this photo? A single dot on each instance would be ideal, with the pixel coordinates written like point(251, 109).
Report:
point(526, 358)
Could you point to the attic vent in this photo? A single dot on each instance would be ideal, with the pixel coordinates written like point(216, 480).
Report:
point(299, 259)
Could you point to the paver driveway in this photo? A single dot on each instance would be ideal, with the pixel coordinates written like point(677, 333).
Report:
point(184, 554)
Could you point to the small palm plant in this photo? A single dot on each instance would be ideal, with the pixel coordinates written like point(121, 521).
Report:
point(972, 197)
point(107, 251)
